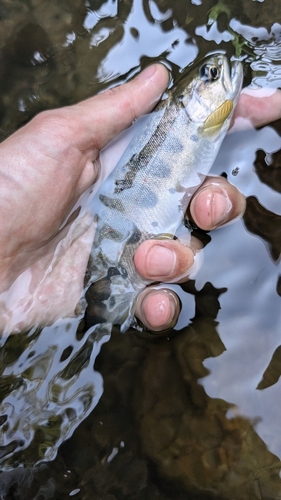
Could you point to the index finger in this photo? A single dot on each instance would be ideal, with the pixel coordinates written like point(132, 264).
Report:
point(106, 115)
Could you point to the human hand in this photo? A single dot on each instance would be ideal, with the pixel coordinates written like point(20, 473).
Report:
point(44, 168)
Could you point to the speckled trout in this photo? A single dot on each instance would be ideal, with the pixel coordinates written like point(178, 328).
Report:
point(147, 193)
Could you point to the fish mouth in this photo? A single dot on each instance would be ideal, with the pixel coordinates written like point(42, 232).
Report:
point(232, 77)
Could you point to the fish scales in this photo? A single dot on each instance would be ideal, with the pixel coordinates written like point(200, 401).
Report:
point(147, 193)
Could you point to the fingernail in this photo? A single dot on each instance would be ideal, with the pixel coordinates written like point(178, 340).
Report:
point(211, 207)
point(160, 262)
point(147, 72)
point(221, 208)
point(164, 312)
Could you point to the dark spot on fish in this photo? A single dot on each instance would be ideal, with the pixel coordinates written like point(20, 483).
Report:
point(122, 184)
point(146, 198)
point(177, 145)
point(136, 163)
point(154, 223)
point(113, 203)
point(194, 138)
point(112, 271)
point(109, 233)
point(161, 171)
point(135, 237)
point(98, 291)
point(116, 271)
point(235, 171)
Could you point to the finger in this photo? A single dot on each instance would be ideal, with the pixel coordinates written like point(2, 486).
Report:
point(158, 310)
point(106, 115)
point(257, 107)
point(215, 203)
point(163, 260)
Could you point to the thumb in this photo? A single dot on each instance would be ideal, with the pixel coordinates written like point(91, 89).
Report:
point(107, 114)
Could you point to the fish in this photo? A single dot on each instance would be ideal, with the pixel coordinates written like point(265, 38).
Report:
point(148, 192)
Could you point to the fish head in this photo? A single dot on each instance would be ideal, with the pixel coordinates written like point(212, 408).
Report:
point(209, 94)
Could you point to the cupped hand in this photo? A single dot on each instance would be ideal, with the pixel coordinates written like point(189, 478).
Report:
point(44, 168)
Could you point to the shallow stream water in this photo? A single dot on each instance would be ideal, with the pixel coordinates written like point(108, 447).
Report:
point(196, 414)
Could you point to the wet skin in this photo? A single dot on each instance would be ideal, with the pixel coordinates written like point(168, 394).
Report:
point(45, 167)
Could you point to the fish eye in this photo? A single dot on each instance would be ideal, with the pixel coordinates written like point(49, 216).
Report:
point(213, 72)
point(209, 73)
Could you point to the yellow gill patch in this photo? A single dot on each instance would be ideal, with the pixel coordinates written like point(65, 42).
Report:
point(215, 120)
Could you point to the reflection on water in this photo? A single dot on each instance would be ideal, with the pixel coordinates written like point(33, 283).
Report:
point(196, 413)
point(48, 385)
